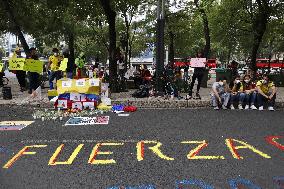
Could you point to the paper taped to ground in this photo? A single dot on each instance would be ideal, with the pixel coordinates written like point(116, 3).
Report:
point(77, 121)
point(123, 115)
point(14, 125)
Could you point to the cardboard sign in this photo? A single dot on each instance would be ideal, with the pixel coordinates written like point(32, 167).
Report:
point(14, 125)
point(104, 90)
point(81, 83)
point(94, 82)
point(63, 64)
point(62, 104)
point(88, 105)
point(77, 121)
point(75, 97)
point(198, 62)
point(17, 63)
point(32, 65)
point(77, 105)
point(67, 84)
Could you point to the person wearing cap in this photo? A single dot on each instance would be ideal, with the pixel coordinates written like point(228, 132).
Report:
point(20, 74)
point(266, 92)
point(53, 66)
point(34, 77)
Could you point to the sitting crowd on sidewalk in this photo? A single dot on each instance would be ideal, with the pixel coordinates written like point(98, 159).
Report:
point(244, 93)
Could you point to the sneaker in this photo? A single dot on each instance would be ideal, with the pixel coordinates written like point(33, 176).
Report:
point(253, 107)
point(232, 107)
point(198, 96)
point(271, 108)
point(247, 107)
point(260, 108)
point(240, 107)
point(188, 97)
point(224, 107)
point(216, 108)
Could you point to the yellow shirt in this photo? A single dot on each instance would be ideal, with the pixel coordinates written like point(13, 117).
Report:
point(54, 66)
point(265, 88)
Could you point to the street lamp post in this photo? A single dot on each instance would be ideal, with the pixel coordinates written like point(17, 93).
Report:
point(160, 45)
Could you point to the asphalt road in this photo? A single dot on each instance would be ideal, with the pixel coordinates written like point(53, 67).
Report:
point(216, 165)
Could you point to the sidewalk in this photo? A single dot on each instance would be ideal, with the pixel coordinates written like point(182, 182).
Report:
point(124, 98)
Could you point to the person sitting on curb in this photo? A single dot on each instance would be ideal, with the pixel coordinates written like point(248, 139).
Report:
point(236, 96)
point(248, 95)
point(266, 91)
point(220, 95)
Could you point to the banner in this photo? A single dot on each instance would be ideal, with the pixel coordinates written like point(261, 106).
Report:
point(32, 65)
point(83, 86)
point(17, 63)
point(63, 64)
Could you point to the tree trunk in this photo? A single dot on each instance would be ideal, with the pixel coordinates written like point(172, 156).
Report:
point(111, 16)
point(259, 28)
point(206, 30)
point(171, 49)
point(71, 59)
point(17, 27)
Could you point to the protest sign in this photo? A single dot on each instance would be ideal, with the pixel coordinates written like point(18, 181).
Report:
point(17, 63)
point(198, 62)
point(63, 65)
point(32, 65)
point(14, 125)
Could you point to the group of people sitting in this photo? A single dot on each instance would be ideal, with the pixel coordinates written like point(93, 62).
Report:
point(244, 93)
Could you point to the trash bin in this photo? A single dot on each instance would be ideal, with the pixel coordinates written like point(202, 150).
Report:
point(278, 79)
point(7, 93)
point(205, 79)
point(221, 72)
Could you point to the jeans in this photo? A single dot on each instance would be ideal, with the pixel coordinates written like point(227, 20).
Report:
point(185, 76)
point(52, 76)
point(199, 77)
point(69, 75)
point(261, 99)
point(237, 98)
point(225, 97)
point(248, 99)
point(34, 80)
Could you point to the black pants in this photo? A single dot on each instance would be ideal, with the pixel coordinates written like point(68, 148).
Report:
point(34, 81)
point(1, 79)
point(199, 77)
point(21, 76)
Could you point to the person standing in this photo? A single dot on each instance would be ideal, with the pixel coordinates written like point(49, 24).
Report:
point(198, 74)
point(34, 77)
point(53, 67)
point(20, 74)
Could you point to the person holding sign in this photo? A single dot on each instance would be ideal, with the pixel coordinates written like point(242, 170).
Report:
point(198, 74)
point(53, 66)
point(20, 74)
point(33, 76)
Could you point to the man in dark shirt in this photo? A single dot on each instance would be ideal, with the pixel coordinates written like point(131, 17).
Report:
point(198, 74)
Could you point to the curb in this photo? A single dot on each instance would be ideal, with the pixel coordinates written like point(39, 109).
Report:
point(143, 104)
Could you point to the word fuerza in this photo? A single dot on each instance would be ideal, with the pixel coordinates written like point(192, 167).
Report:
point(234, 146)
